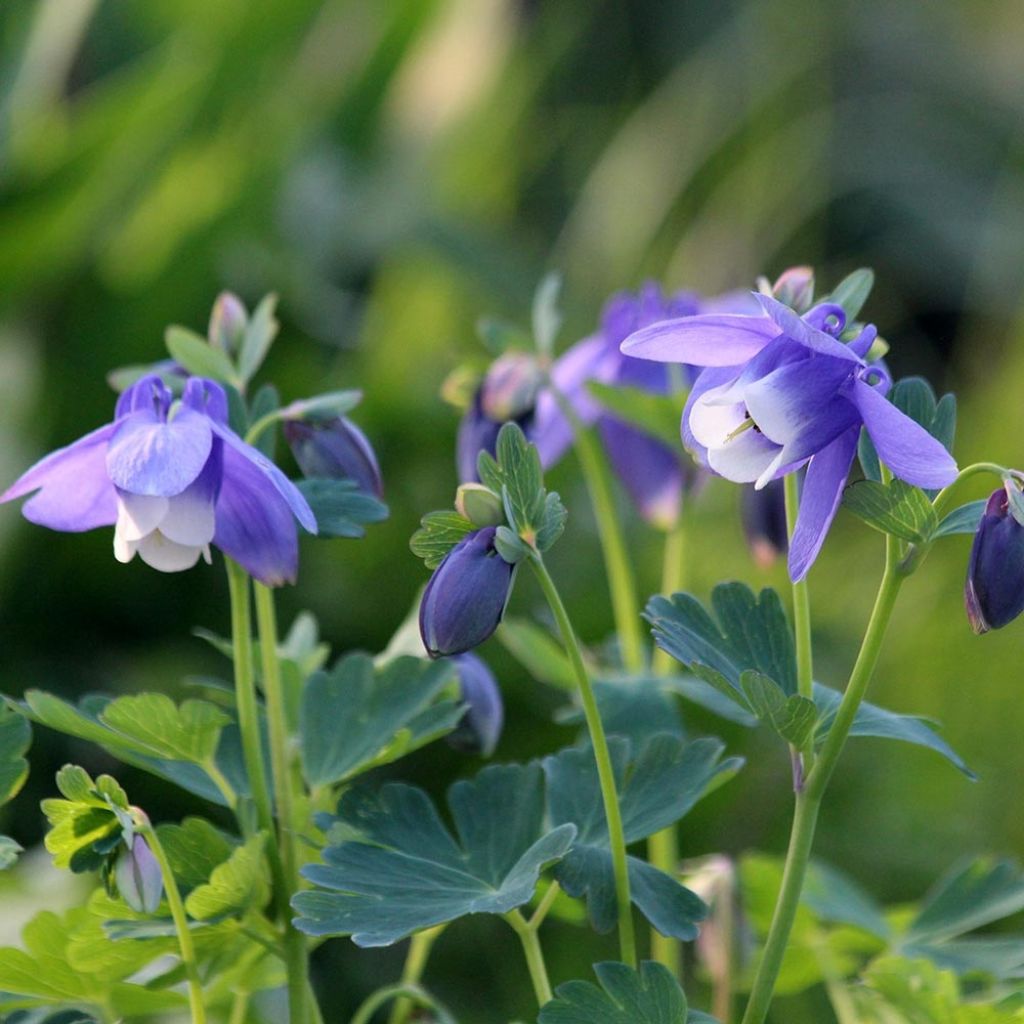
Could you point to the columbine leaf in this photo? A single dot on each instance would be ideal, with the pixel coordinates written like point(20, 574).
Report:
point(340, 507)
point(547, 317)
point(657, 415)
point(439, 532)
point(260, 332)
point(234, 886)
point(666, 779)
point(751, 633)
point(186, 732)
point(15, 737)
point(896, 508)
point(405, 871)
point(538, 652)
point(965, 519)
point(650, 996)
point(194, 848)
point(852, 292)
point(792, 717)
point(87, 823)
point(552, 521)
point(195, 354)
point(356, 717)
point(265, 401)
point(9, 851)
point(835, 897)
point(522, 480)
point(872, 720)
point(326, 406)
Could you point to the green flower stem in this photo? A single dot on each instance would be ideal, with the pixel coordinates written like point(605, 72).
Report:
point(177, 907)
point(801, 600)
point(808, 802)
point(663, 846)
point(415, 963)
point(383, 996)
point(619, 569)
point(945, 497)
point(534, 956)
point(296, 951)
point(617, 839)
point(239, 1007)
point(547, 901)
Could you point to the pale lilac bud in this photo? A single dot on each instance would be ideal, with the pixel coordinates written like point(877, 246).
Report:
point(228, 320)
point(138, 876)
point(479, 730)
point(509, 390)
point(795, 288)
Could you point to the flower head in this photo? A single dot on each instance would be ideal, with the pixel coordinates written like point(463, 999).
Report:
point(465, 598)
point(172, 478)
point(780, 391)
point(994, 590)
point(480, 728)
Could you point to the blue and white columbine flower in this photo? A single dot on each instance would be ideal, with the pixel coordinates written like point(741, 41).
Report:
point(780, 391)
point(172, 478)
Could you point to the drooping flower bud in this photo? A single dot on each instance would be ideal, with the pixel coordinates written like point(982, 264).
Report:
point(138, 876)
point(795, 288)
point(480, 728)
point(509, 389)
point(764, 522)
point(465, 598)
point(228, 320)
point(334, 449)
point(994, 591)
point(480, 505)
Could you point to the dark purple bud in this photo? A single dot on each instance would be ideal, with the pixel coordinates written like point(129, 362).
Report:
point(334, 449)
point(994, 591)
point(227, 323)
point(795, 288)
point(509, 389)
point(479, 730)
point(465, 598)
point(138, 876)
point(764, 522)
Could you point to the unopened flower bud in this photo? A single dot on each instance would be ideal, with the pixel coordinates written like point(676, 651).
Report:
point(138, 876)
point(480, 505)
point(763, 513)
point(509, 389)
point(334, 449)
point(477, 433)
point(479, 730)
point(228, 320)
point(994, 591)
point(795, 288)
point(465, 598)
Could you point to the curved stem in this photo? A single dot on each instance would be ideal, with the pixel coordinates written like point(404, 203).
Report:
point(534, 956)
point(808, 801)
point(945, 496)
point(177, 908)
point(547, 901)
point(239, 1007)
point(619, 569)
point(296, 952)
point(383, 996)
point(606, 776)
point(415, 963)
point(801, 600)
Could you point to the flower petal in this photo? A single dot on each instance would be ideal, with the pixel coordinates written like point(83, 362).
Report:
point(795, 327)
point(903, 445)
point(823, 487)
point(206, 397)
point(255, 524)
point(708, 380)
point(164, 555)
point(139, 515)
point(651, 472)
point(74, 491)
point(714, 339)
point(746, 458)
point(191, 515)
point(149, 394)
point(149, 456)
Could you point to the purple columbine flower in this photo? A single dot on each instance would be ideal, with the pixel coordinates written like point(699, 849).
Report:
point(479, 730)
point(994, 590)
point(466, 597)
point(172, 478)
point(138, 876)
point(781, 391)
point(334, 449)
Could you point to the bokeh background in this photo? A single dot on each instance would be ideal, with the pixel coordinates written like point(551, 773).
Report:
point(394, 169)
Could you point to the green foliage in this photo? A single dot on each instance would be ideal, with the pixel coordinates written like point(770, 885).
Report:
point(965, 519)
point(237, 884)
point(658, 415)
point(852, 292)
point(538, 652)
point(439, 532)
point(896, 508)
point(547, 317)
point(401, 870)
point(87, 825)
point(626, 996)
point(793, 717)
point(357, 717)
point(195, 354)
point(340, 507)
point(15, 737)
point(260, 332)
point(194, 848)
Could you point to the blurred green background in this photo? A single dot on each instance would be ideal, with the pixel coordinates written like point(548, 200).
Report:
point(396, 168)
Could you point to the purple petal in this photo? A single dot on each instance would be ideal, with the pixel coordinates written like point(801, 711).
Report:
point(903, 445)
point(255, 523)
point(207, 397)
point(806, 334)
point(75, 493)
point(650, 471)
point(823, 487)
point(284, 487)
point(149, 456)
point(716, 339)
point(148, 393)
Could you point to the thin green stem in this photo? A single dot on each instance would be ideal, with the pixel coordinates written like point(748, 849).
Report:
point(415, 963)
point(618, 567)
point(617, 839)
point(296, 952)
point(239, 1007)
point(534, 956)
point(219, 779)
point(547, 901)
point(801, 600)
point(180, 919)
point(383, 996)
point(808, 801)
point(944, 498)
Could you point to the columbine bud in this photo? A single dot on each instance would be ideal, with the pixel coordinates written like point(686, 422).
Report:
point(509, 389)
point(480, 727)
point(138, 876)
point(764, 522)
point(227, 323)
point(994, 591)
point(465, 598)
point(335, 449)
point(795, 287)
point(480, 505)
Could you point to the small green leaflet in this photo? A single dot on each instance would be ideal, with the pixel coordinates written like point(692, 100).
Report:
point(260, 332)
point(195, 354)
point(237, 884)
point(852, 292)
point(340, 507)
point(965, 519)
point(793, 717)
point(194, 848)
point(88, 823)
point(439, 532)
point(896, 508)
point(538, 652)
point(657, 415)
point(15, 737)
point(547, 317)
